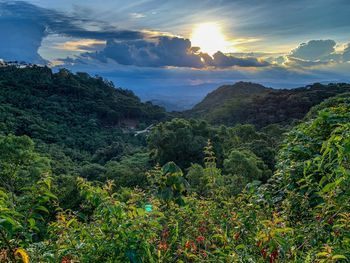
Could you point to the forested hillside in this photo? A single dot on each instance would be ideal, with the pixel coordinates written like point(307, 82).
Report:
point(77, 185)
point(251, 103)
point(67, 108)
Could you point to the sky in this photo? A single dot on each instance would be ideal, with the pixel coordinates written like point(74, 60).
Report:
point(175, 52)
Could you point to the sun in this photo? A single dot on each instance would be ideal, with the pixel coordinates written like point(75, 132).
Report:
point(209, 38)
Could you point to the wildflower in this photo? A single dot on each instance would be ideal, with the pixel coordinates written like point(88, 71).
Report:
point(263, 252)
point(204, 254)
point(200, 238)
point(273, 256)
point(66, 260)
point(201, 229)
point(188, 244)
point(193, 247)
point(237, 235)
point(162, 246)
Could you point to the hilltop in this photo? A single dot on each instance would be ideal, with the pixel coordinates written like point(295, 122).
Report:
point(246, 102)
point(66, 108)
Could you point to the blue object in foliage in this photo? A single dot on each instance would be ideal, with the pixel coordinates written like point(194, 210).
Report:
point(148, 208)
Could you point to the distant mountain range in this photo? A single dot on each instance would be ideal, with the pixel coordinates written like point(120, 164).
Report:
point(246, 102)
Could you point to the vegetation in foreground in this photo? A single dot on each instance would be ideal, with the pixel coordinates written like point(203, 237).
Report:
point(220, 194)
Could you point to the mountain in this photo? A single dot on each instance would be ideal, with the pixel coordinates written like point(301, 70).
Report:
point(246, 102)
point(73, 110)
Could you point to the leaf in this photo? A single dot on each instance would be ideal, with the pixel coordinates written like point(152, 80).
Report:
point(339, 257)
point(9, 220)
point(240, 246)
point(70, 222)
point(31, 222)
point(328, 187)
point(22, 254)
point(49, 194)
point(42, 208)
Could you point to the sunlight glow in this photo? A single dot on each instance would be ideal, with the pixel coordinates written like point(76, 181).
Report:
point(210, 39)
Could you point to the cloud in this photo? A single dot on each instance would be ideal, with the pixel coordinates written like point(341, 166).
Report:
point(221, 60)
point(82, 45)
point(301, 63)
point(314, 50)
point(23, 27)
point(161, 52)
point(166, 51)
point(126, 47)
point(346, 53)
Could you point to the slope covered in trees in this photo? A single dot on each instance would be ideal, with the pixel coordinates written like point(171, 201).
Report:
point(252, 103)
point(301, 214)
point(75, 188)
point(66, 108)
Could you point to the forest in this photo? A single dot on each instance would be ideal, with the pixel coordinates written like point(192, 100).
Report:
point(250, 174)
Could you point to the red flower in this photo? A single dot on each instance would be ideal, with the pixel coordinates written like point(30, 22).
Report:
point(237, 235)
point(193, 247)
point(273, 255)
point(200, 238)
point(162, 246)
point(201, 229)
point(264, 252)
point(204, 254)
point(188, 244)
point(66, 260)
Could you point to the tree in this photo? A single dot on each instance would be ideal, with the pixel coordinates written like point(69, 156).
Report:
point(19, 163)
point(169, 183)
point(180, 141)
point(206, 181)
point(240, 168)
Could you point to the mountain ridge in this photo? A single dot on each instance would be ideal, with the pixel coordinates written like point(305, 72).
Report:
point(252, 103)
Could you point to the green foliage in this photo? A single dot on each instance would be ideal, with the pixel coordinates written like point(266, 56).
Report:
point(168, 183)
point(19, 163)
point(246, 102)
point(180, 141)
point(129, 171)
point(226, 207)
point(240, 168)
point(24, 207)
point(79, 122)
point(117, 232)
point(206, 181)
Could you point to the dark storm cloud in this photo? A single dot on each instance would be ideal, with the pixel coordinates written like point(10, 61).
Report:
point(221, 60)
point(167, 51)
point(23, 27)
point(56, 22)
